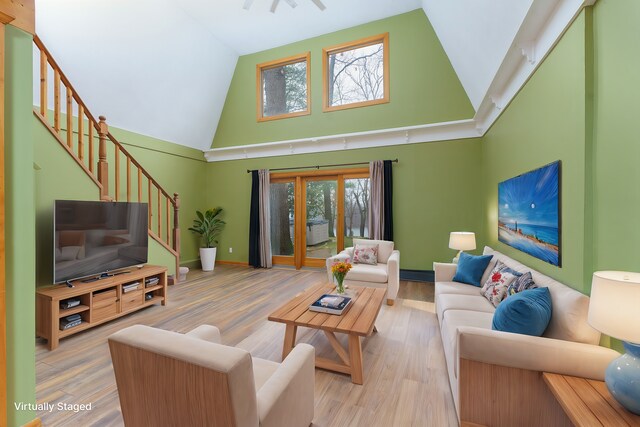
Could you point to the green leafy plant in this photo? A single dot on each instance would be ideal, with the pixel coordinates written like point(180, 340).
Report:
point(208, 226)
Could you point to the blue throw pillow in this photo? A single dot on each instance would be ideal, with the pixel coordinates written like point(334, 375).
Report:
point(527, 312)
point(470, 268)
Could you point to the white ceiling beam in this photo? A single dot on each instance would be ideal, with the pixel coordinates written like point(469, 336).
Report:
point(351, 141)
point(541, 29)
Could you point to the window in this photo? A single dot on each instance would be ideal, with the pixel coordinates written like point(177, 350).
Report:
point(356, 74)
point(283, 88)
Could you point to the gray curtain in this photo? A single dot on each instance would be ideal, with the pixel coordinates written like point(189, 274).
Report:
point(376, 200)
point(265, 218)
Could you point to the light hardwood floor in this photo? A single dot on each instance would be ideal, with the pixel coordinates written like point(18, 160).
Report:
point(405, 374)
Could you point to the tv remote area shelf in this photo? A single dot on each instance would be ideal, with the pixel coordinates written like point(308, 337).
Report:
point(100, 301)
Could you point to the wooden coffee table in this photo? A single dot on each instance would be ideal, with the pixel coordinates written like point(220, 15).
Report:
point(357, 322)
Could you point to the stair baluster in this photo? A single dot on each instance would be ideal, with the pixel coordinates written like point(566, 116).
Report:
point(87, 126)
point(103, 166)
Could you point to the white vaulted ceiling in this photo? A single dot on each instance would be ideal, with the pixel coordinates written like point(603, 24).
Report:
point(256, 29)
point(163, 67)
point(476, 34)
point(145, 64)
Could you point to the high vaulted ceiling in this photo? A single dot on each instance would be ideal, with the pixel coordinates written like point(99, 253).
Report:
point(256, 29)
point(476, 36)
point(163, 67)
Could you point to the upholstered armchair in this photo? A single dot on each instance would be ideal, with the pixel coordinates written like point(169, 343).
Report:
point(385, 274)
point(170, 379)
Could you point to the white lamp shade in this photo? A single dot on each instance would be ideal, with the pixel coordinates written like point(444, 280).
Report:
point(462, 241)
point(614, 308)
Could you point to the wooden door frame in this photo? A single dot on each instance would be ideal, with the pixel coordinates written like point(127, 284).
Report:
point(299, 179)
point(286, 259)
point(319, 262)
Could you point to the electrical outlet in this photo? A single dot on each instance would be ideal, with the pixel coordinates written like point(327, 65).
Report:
point(230, 250)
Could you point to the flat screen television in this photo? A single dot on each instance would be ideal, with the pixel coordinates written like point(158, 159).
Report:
point(91, 238)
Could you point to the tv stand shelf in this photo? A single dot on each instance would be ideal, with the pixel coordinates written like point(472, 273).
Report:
point(100, 301)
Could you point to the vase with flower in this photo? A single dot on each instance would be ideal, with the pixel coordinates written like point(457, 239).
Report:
point(340, 270)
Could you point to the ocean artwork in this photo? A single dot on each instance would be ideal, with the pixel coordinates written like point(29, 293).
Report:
point(529, 213)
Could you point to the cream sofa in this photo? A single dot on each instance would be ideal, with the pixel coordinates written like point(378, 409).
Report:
point(496, 377)
point(172, 379)
point(385, 274)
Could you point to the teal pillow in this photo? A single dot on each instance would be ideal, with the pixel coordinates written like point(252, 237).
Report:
point(471, 268)
point(527, 312)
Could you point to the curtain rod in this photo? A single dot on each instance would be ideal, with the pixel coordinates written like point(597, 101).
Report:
point(319, 166)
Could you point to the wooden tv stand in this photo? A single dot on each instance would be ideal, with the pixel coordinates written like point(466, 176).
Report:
point(100, 301)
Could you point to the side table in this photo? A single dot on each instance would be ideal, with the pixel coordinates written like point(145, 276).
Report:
point(588, 402)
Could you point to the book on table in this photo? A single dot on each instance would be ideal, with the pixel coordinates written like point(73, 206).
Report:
point(332, 304)
point(130, 287)
point(69, 303)
point(70, 321)
point(151, 281)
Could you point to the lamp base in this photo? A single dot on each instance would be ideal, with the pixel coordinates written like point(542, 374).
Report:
point(457, 258)
point(623, 378)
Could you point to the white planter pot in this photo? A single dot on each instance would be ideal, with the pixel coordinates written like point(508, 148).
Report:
point(208, 258)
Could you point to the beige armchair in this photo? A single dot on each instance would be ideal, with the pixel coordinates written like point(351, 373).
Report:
point(171, 379)
point(385, 274)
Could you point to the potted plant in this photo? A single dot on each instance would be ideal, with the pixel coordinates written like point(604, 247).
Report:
point(208, 225)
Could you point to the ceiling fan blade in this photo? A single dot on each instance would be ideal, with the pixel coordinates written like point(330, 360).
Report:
point(320, 5)
point(274, 5)
point(291, 3)
point(247, 4)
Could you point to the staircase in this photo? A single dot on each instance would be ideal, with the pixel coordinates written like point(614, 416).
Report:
point(85, 138)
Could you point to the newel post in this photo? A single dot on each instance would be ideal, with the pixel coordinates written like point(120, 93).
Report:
point(103, 166)
point(176, 233)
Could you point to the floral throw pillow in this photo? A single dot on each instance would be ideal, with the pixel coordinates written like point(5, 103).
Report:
point(365, 255)
point(522, 283)
point(495, 288)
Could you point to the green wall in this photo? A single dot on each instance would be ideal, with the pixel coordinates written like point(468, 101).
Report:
point(424, 87)
point(177, 168)
point(20, 233)
point(616, 189)
point(430, 196)
point(579, 107)
point(544, 123)
point(57, 176)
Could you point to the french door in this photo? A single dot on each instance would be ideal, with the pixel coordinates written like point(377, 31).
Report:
point(315, 215)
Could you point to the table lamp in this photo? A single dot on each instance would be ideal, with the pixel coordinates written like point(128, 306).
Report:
point(614, 310)
point(462, 241)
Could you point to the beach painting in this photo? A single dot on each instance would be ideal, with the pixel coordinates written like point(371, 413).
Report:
point(529, 213)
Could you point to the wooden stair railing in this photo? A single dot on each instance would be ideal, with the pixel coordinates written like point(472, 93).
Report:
point(76, 129)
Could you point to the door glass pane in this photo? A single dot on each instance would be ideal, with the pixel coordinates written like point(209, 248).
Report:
point(356, 209)
point(281, 198)
point(321, 219)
